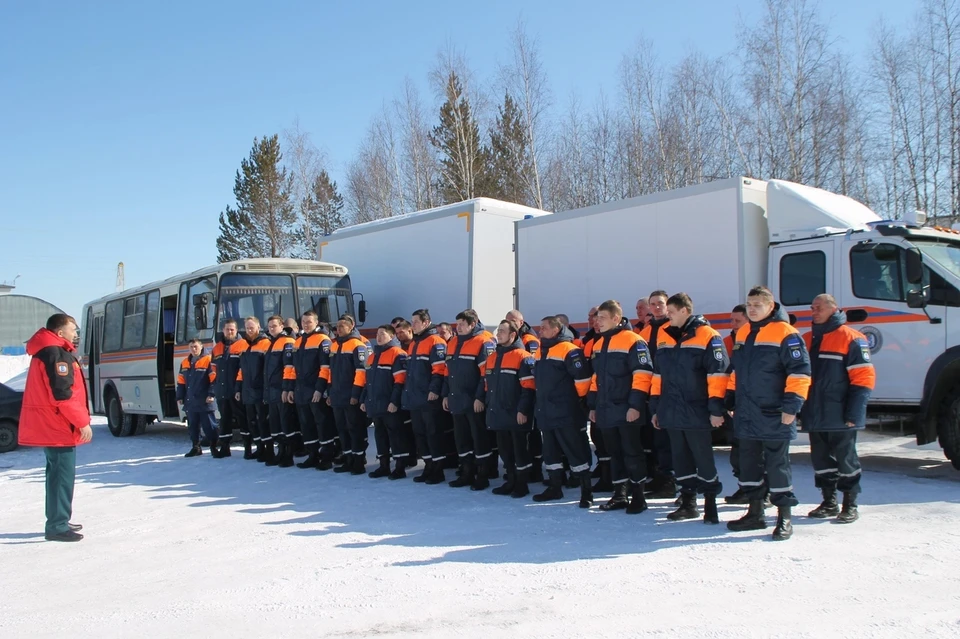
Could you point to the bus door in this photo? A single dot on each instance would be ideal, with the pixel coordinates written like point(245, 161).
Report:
point(166, 374)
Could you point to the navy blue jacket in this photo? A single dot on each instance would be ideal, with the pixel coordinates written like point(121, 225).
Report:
point(842, 377)
point(348, 369)
point(769, 375)
point(310, 351)
point(250, 375)
point(509, 387)
point(562, 376)
point(425, 370)
point(463, 383)
point(622, 374)
point(195, 384)
point(279, 375)
point(689, 376)
point(385, 377)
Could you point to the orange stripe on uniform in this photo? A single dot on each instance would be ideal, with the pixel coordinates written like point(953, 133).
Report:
point(862, 375)
point(655, 385)
point(717, 385)
point(798, 384)
point(642, 380)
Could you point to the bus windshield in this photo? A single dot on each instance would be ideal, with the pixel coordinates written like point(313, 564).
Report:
point(946, 255)
point(248, 294)
point(329, 296)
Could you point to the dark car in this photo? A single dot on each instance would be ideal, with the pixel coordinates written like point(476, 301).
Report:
point(11, 400)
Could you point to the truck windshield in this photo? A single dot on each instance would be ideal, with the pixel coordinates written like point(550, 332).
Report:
point(329, 296)
point(245, 294)
point(946, 255)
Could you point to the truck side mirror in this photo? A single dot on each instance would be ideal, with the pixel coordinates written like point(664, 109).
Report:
point(914, 267)
point(362, 311)
point(917, 299)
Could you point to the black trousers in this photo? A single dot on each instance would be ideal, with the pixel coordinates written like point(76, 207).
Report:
point(308, 425)
point(772, 456)
point(233, 415)
point(626, 454)
point(447, 433)
point(536, 445)
point(836, 464)
point(514, 446)
point(408, 436)
point(282, 420)
point(472, 437)
point(693, 461)
point(391, 436)
point(352, 426)
point(202, 420)
point(428, 430)
point(566, 442)
point(258, 421)
point(600, 448)
point(734, 451)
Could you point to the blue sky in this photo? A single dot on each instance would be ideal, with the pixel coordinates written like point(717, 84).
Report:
point(123, 123)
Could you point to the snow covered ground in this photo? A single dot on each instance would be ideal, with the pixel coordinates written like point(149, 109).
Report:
point(189, 547)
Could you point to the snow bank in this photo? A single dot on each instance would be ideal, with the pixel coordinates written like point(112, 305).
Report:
point(12, 365)
point(190, 547)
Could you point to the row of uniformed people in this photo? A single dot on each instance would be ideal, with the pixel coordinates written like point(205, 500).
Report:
point(688, 388)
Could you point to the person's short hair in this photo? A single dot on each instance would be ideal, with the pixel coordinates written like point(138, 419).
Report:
point(346, 317)
point(277, 318)
point(611, 306)
point(423, 314)
point(445, 325)
point(311, 313)
point(397, 320)
point(469, 316)
point(386, 328)
point(195, 340)
point(564, 318)
point(404, 324)
point(826, 297)
point(512, 325)
point(681, 300)
point(59, 321)
point(255, 320)
point(643, 300)
point(553, 321)
point(740, 308)
point(658, 293)
point(762, 292)
point(231, 321)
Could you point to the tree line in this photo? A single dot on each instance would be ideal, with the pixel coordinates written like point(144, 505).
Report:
point(787, 103)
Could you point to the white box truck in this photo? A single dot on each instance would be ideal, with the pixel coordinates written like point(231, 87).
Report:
point(899, 283)
point(446, 259)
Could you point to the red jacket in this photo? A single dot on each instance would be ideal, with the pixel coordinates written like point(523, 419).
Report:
point(55, 399)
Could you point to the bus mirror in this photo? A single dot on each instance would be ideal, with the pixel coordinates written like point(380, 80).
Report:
point(917, 299)
point(200, 299)
point(914, 267)
point(200, 317)
point(362, 311)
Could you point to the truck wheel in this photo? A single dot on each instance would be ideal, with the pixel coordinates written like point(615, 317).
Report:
point(948, 426)
point(114, 415)
point(8, 435)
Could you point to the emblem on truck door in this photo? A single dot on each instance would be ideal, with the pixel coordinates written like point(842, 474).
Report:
point(874, 338)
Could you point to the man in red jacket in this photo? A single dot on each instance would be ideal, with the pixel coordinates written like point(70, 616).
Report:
point(55, 416)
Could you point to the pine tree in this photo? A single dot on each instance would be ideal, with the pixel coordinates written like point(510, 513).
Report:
point(263, 224)
point(464, 161)
point(510, 158)
point(323, 210)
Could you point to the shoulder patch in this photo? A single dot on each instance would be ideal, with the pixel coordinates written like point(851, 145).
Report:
point(63, 369)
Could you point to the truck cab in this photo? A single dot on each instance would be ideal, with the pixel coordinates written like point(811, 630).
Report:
point(899, 284)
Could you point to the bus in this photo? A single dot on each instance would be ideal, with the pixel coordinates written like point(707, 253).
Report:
point(132, 342)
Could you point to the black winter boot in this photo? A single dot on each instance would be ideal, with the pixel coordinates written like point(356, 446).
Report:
point(383, 470)
point(586, 492)
point(194, 451)
point(784, 529)
point(507, 486)
point(346, 464)
point(358, 465)
point(427, 471)
point(286, 455)
point(536, 473)
point(667, 488)
point(638, 503)
point(605, 484)
point(554, 489)
point(400, 470)
point(274, 457)
point(260, 451)
point(247, 447)
point(269, 454)
point(468, 471)
point(710, 515)
point(619, 500)
point(481, 481)
point(436, 476)
point(520, 488)
point(737, 498)
point(220, 448)
point(828, 508)
point(451, 462)
point(687, 509)
point(752, 520)
point(313, 457)
point(849, 514)
point(215, 448)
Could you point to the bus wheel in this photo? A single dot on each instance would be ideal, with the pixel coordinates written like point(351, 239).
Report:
point(119, 423)
point(948, 426)
point(142, 422)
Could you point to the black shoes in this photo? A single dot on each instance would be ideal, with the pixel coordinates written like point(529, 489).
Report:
point(849, 514)
point(68, 535)
point(687, 509)
point(784, 529)
point(193, 452)
point(710, 515)
point(828, 508)
point(752, 520)
point(619, 500)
